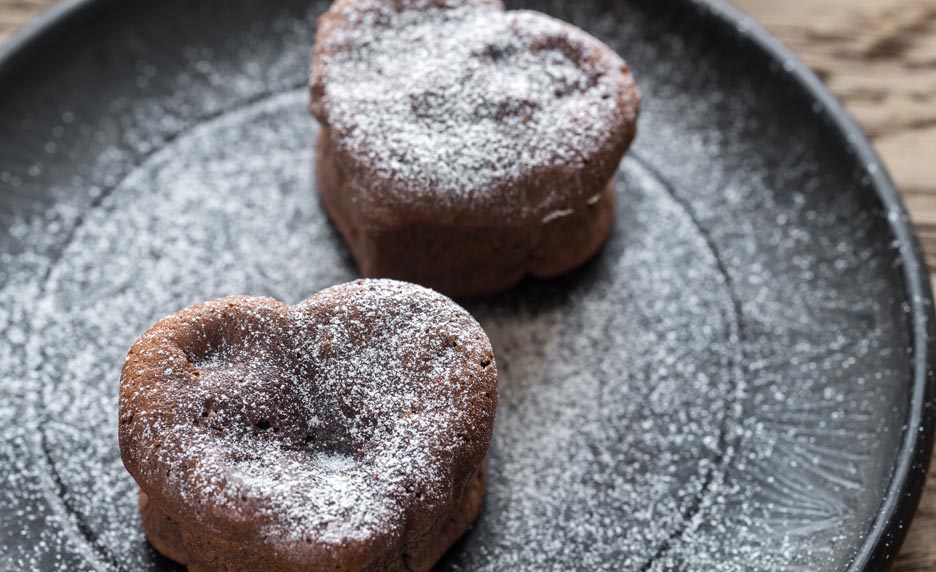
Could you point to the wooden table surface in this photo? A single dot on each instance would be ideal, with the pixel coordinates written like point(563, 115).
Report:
point(879, 57)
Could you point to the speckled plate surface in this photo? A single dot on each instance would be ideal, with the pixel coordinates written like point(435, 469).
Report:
point(740, 381)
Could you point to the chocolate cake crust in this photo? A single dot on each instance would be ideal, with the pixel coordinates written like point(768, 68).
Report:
point(347, 432)
point(454, 129)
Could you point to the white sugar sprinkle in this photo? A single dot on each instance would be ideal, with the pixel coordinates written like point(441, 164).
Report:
point(462, 102)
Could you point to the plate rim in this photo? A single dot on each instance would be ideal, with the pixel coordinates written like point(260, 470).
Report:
point(898, 507)
point(889, 528)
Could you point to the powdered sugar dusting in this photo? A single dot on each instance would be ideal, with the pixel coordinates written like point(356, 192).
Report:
point(341, 504)
point(461, 100)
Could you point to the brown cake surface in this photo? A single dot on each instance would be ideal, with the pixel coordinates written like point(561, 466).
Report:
point(347, 432)
point(457, 135)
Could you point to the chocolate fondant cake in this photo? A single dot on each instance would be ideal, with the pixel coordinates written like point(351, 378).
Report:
point(463, 146)
point(346, 433)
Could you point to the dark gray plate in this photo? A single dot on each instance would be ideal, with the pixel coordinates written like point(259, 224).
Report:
point(740, 381)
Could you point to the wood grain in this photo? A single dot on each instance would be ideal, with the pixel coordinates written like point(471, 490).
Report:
point(15, 13)
point(879, 57)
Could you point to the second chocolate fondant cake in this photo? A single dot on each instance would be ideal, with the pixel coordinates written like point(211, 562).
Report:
point(464, 146)
point(345, 433)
